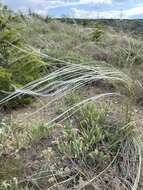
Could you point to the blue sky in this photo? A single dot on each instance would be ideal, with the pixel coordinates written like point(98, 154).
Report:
point(81, 8)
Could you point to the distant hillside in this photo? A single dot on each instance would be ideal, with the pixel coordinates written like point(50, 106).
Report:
point(135, 26)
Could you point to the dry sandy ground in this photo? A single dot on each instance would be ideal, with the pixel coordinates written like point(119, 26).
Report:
point(41, 112)
point(38, 112)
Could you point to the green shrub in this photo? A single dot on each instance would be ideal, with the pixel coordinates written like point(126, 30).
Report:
point(11, 167)
point(73, 57)
point(97, 32)
point(18, 102)
point(8, 35)
point(39, 131)
point(26, 69)
point(72, 98)
point(92, 139)
point(16, 67)
point(5, 79)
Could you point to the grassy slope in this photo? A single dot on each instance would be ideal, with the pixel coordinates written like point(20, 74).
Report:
point(32, 157)
point(74, 43)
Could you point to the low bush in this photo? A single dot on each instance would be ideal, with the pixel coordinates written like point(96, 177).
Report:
point(97, 32)
point(26, 69)
point(37, 132)
point(72, 98)
point(90, 138)
point(17, 67)
point(5, 79)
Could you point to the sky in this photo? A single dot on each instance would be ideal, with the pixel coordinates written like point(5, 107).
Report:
point(81, 8)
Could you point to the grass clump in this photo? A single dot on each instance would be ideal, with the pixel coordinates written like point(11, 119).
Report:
point(13, 185)
point(38, 132)
point(10, 167)
point(93, 139)
point(71, 99)
point(14, 137)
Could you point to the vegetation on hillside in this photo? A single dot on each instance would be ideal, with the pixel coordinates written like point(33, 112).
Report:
point(90, 79)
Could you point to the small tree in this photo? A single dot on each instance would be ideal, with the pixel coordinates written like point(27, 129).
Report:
point(15, 70)
point(97, 32)
point(8, 35)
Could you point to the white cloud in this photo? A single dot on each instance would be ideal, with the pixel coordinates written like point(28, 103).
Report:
point(43, 7)
point(95, 1)
point(41, 12)
point(63, 3)
point(38, 1)
point(134, 11)
point(77, 13)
